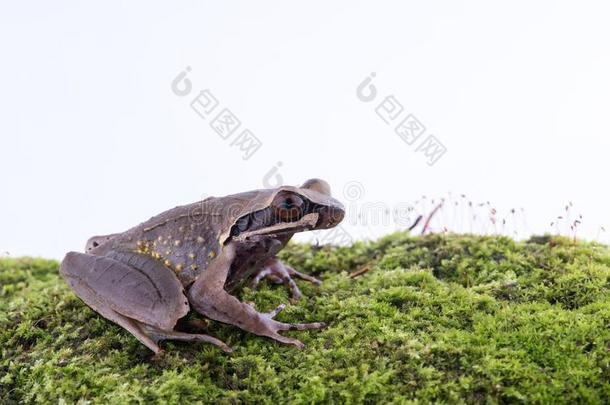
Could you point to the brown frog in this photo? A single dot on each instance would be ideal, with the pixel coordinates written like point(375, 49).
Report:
point(148, 277)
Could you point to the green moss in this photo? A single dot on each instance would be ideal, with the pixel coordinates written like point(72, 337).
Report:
point(439, 318)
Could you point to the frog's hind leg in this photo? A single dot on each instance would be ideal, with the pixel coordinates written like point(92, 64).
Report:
point(133, 290)
point(279, 273)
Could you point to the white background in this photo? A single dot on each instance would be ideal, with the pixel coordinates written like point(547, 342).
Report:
point(93, 140)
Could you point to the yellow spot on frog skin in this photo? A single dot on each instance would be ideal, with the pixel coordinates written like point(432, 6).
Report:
point(156, 255)
point(179, 267)
point(200, 239)
point(168, 252)
point(142, 246)
point(193, 267)
point(211, 254)
point(167, 263)
point(191, 255)
point(177, 242)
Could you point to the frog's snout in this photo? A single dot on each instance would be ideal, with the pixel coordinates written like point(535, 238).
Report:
point(96, 241)
point(331, 217)
point(336, 215)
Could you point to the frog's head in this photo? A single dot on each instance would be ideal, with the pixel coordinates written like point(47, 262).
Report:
point(313, 197)
point(284, 211)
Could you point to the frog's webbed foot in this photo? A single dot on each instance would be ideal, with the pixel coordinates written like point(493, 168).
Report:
point(208, 296)
point(279, 273)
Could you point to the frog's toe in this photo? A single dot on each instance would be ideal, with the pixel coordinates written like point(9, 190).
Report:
point(306, 277)
point(158, 335)
point(287, 341)
point(276, 311)
point(274, 327)
point(301, 326)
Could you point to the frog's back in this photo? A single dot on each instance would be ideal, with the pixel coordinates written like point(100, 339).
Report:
point(185, 239)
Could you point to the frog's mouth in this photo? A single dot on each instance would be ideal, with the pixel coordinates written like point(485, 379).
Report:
point(305, 223)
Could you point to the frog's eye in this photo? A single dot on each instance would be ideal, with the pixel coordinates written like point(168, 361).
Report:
point(288, 207)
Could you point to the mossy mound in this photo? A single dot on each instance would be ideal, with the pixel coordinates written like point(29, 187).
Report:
point(436, 318)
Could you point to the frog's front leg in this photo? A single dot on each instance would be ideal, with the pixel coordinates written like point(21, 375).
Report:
point(208, 296)
point(279, 273)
